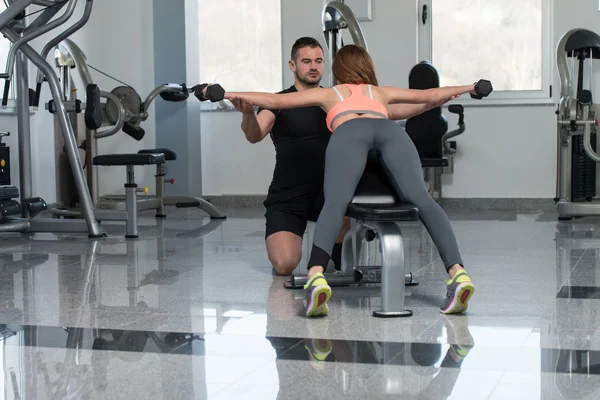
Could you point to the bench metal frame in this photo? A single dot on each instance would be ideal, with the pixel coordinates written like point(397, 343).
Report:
point(390, 274)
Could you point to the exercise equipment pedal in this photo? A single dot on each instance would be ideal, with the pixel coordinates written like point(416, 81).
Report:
point(34, 205)
point(93, 111)
point(176, 96)
point(135, 132)
point(9, 208)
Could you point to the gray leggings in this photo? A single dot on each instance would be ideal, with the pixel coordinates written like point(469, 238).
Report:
point(345, 162)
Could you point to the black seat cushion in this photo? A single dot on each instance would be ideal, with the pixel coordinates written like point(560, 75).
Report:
point(375, 198)
point(383, 212)
point(434, 162)
point(170, 155)
point(129, 159)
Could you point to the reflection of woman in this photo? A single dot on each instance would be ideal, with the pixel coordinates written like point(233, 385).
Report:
point(357, 115)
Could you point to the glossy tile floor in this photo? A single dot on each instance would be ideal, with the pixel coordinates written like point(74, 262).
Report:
point(192, 310)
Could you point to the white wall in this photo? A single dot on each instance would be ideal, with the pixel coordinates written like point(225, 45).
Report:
point(119, 43)
point(507, 151)
point(230, 164)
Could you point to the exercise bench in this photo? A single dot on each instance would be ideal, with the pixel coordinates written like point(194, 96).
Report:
point(131, 189)
point(159, 201)
point(374, 211)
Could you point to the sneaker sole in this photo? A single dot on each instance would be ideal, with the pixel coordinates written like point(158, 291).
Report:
point(317, 306)
point(459, 303)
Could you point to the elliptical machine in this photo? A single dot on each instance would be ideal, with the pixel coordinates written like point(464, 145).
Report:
point(576, 128)
point(20, 216)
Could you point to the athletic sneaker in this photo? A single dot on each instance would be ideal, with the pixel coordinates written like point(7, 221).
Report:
point(318, 294)
point(458, 292)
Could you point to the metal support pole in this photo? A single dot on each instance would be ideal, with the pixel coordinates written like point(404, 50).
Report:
point(392, 271)
point(160, 190)
point(24, 129)
point(131, 204)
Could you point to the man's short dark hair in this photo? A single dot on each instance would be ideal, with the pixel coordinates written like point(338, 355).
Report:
point(304, 42)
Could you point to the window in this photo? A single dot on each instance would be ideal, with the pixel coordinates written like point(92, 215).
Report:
point(240, 44)
point(505, 41)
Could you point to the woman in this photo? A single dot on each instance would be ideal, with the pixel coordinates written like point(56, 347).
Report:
point(357, 116)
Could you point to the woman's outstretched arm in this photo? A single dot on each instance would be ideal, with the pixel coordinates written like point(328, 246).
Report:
point(415, 96)
point(306, 98)
point(405, 111)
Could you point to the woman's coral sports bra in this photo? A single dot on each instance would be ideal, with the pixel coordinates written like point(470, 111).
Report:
point(357, 103)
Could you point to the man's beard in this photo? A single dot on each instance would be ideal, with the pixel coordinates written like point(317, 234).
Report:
point(309, 81)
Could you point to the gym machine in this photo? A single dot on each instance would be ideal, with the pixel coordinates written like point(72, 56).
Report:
point(429, 131)
point(336, 16)
point(20, 216)
point(124, 110)
point(576, 127)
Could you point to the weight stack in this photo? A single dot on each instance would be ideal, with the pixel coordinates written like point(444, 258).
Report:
point(4, 166)
point(583, 171)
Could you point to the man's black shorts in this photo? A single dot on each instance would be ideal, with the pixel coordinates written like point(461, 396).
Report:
point(291, 210)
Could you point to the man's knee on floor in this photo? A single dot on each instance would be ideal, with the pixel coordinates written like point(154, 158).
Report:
point(284, 264)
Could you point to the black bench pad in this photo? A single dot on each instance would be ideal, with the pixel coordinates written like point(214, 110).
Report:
point(170, 155)
point(434, 162)
point(383, 212)
point(129, 159)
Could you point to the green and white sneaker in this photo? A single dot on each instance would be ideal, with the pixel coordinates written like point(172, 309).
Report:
point(458, 292)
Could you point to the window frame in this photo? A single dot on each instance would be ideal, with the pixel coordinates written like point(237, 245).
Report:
point(522, 97)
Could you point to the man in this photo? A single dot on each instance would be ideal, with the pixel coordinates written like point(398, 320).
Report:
point(300, 137)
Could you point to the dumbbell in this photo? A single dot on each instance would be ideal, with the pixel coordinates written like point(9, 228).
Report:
point(214, 93)
point(482, 89)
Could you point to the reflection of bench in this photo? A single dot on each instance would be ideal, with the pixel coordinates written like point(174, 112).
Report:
point(131, 189)
point(378, 209)
point(429, 130)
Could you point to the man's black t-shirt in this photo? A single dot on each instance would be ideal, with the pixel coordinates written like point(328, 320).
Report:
point(300, 136)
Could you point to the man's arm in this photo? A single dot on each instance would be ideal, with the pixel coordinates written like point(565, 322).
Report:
point(255, 127)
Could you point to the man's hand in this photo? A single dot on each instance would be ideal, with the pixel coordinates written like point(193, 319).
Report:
point(243, 106)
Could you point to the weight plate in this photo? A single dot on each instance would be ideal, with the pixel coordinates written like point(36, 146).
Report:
point(129, 98)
